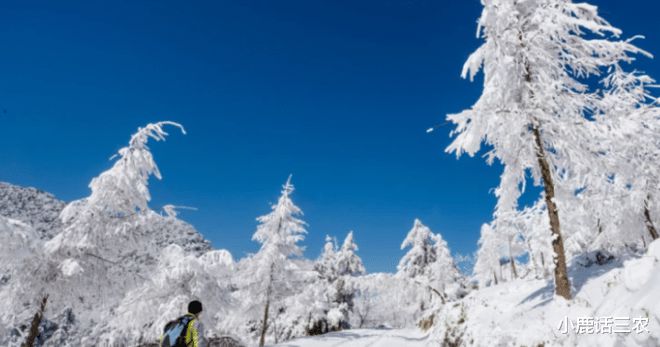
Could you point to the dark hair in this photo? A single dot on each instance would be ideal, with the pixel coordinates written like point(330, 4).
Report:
point(195, 307)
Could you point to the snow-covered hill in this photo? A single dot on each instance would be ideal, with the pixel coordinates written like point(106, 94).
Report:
point(41, 210)
point(616, 296)
point(29, 205)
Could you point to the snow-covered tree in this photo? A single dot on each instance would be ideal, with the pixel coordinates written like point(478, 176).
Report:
point(533, 225)
point(510, 228)
point(322, 290)
point(620, 195)
point(422, 253)
point(270, 272)
point(534, 107)
point(20, 257)
point(384, 299)
point(348, 262)
point(428, 262)
point(349, 265)
point(106, 244)
point(117, 195)
point(487, 264)
point(630, 116)
point(336, 288)
point(509, 237)
point(326, 265)
point(443, 274)
point(109, 245)
point(19, 243)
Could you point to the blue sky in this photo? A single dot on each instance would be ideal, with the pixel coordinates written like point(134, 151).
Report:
point(339, 93)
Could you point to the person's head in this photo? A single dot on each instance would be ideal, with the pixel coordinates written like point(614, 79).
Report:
point(195, 307)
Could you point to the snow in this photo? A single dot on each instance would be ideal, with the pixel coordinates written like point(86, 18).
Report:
point(100, 249)
point(525, 312)
point(115, 270)
point(335, 317)
point(364, 338)
point(70, 267)
point(37, 208)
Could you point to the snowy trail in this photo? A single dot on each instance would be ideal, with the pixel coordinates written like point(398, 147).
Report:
point(363, 338)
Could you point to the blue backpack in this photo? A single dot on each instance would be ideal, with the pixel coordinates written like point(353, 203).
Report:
point(174, 334)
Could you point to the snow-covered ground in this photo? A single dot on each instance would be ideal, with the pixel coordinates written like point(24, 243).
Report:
point(614, 304)
point(364, 338)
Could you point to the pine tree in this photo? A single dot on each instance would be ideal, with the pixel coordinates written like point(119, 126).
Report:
point(348, 262)
point(629, 114)
point(488, 257)
point(118, 194)
point(322, 289)
point(271, 268)
point(348, 265)
point(336, 288)
point(534, 107)
point(422, 251)
point(326, 265)
point(429, 261)
point(93, 261)
point(533, 225)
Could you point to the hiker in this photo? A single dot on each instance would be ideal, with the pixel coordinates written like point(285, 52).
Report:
point(187, 330)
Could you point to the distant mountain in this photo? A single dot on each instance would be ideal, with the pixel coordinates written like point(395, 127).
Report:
point(32, 206)
point(41, 210)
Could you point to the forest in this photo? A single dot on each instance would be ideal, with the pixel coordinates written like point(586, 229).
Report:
point(563, 110)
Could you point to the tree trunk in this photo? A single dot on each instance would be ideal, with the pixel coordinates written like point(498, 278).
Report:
point(649, 221)
point(562, 283)
point(495, 277)
point(545, 270)
point(36, 321)
point(542, 260)
point(514, 273)
point(264, 327)
point(433, 290)
point(532, 259)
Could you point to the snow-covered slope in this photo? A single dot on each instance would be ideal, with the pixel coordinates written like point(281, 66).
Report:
point(29, 205)
point(364, 338)
point(18, 241)
point(617, 296)
point(607, 298)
